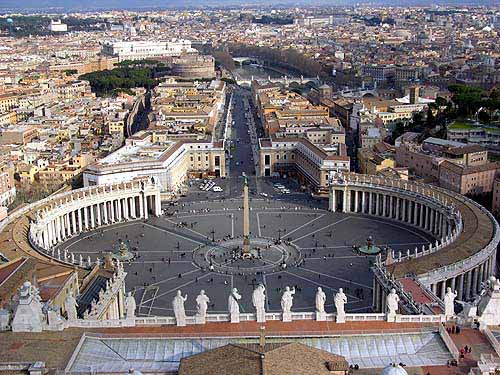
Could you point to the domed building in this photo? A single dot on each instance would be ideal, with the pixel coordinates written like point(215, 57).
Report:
point(394, 369)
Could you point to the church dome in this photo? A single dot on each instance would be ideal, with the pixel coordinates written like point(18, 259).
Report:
point(394, 369)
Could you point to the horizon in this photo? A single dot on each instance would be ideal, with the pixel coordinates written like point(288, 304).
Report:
point(64, 6)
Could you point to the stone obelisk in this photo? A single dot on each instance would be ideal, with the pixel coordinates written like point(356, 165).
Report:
point(246, 221)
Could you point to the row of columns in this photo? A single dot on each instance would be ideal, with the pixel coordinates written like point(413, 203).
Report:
point(393, 207)
point(468, 284)
point(94, 215)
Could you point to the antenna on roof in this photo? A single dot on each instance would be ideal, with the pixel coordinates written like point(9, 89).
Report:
point(262, 336)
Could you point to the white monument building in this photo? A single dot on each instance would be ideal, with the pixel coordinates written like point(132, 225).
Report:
point(146, 49)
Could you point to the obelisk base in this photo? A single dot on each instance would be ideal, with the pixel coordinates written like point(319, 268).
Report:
point(246, 253)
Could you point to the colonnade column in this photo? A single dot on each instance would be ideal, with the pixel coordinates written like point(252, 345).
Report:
point(344, 201)
point(86, 218)
point(125, 209)
point(132, 207)
point(356, 200)
point(79, 218)
point(92, 217)
point(105, 213)
point(363, 201)
point(112, 210)
point(460, 286)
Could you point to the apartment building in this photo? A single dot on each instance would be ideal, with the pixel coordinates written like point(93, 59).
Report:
point(279, 109)
point(188, 107)
point(19, 134)
point(372, 160)
point(300, 157)
point(7, 186)
point(471, 180)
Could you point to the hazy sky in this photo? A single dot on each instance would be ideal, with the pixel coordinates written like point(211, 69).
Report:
point(114, 4)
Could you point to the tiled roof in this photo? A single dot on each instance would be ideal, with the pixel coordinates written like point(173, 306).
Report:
point(270, 359)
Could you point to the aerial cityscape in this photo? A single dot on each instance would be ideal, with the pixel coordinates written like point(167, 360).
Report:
point(218, 188)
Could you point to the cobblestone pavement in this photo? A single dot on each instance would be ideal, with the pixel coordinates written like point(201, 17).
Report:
point(165, 245)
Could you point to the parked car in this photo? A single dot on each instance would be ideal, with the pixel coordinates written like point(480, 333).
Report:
point(217, 189)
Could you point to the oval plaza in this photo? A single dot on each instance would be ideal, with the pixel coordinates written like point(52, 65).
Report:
point(410, 284)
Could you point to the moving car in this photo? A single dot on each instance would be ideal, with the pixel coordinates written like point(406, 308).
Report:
point(217, 189)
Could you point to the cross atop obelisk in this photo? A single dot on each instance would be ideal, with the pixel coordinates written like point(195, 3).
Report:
point(246, 220)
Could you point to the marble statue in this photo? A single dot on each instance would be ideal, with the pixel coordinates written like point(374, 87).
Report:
point(54, 319)
point(202, 306)
point(130, 306)
point(392, 305)
point(340, 301)
point(487, 304)
point(449, 303)
point(179, 312)
point(233, 305)
point(320, 300)
point(70, 306)
point(259, 302)
point(287, 303)
point(320, 305)
point(28, 315)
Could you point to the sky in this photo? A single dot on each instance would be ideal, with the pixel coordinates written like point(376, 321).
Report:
point(137, 4)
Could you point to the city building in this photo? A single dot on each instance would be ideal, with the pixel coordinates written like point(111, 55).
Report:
point(56, 26)
point(372, 160)
point(172, 160)
point(311, 163)
point(193, 66)
point(146, 49)
point(482, 135)
point(188, 107)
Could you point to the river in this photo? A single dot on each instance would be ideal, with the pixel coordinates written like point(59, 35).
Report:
point(246, 72)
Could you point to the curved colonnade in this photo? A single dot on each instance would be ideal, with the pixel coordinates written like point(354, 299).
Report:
point(466, 234)
point(462, 257)
point(56, 219)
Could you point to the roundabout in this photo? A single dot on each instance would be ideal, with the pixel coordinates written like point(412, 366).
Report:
point(268, 256)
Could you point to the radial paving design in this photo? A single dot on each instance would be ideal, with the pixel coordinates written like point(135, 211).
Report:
point(190, 248)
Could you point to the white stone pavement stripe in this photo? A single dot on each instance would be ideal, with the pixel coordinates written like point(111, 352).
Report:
point(178, 234)
point(393, 225)
point(320, 284)
point(141, 251)
point(303, 225)
point(320, 229)
point(70, 243)
point(202, 215)
point(258, 225)
point(160, 261)
point(171, 278)
point(232, 225)
point(178, 287)
point(350, 246)
point(333, 258)
point(334, 277)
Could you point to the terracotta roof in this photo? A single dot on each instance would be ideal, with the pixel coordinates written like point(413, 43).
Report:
point(464, 170)
point(49, 288)
point(271, 359)
point(8, 268)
